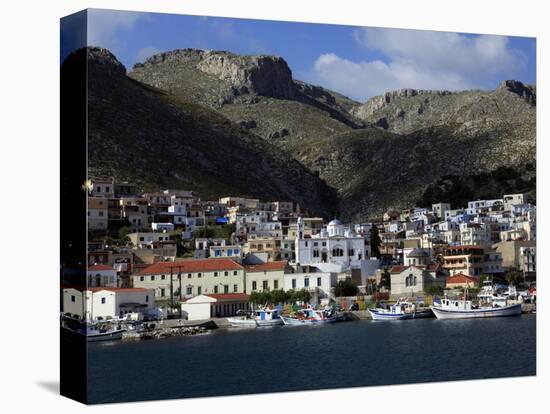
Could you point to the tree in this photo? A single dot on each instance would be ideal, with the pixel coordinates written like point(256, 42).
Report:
point(346, 288)
point(514, 277)
point(375, 241)
point(433, 290)
point(385, 280)
point(204, 233)
point(301, 295)
point(279, 296)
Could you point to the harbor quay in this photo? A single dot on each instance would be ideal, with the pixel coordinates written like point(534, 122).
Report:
point(169, 263)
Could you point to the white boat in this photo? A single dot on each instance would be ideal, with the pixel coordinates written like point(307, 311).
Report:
point(465, 309)
point(310, 316)
point(398, 311)
point(257, 318)
point(268, 317)
point(94, 335)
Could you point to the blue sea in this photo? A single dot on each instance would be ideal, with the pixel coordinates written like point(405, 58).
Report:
point(287, 358)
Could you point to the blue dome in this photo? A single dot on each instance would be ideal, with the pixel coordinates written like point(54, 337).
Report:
point(335, 222)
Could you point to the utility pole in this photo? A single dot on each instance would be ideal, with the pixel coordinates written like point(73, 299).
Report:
point(171, 287)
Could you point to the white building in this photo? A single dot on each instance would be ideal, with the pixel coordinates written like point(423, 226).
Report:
point(204, 307)
point(320, 284)
point(107, 302)
point(100, 275)
point(334, 244)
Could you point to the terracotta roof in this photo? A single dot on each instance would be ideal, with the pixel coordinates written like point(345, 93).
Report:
point(110, 289)
point(228, 296)
point(461, 278)
point(401, 268)
point(398, 269)
point(192, 265)
point(432, 267)
point(266, 267)
point(100, 267)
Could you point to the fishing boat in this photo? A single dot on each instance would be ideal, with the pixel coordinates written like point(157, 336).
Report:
point(94, 334)
point(257, 318)
point(310, 316)
point(465, 309)
point(399, 311)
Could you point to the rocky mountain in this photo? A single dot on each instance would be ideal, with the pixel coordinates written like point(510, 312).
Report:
point(403, 148)
point(145, 135)
point(256, 92)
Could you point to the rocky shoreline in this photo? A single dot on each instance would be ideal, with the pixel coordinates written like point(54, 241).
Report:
point(165, 333)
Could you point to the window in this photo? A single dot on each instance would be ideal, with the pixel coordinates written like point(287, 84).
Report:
point(306, 244)
point(199, 275)
point(98, 189)
point(142, 238)
point(101, 214)
point(189, 275)
point(236, 251)
point(153, 277)
point(275, 284)
point(265, 285)
point(146, 298)
point(235, 288)
point(226, 273)
point(225, 288)
point(73, 298)
point(163, 277)
point(215, 273)
point(306, 282)
point(234, 273)
point(141, 278)
point(106, 189)
point(315, 244)
point(315, 253)
point(324, 244)
point(293, 283)
point(103, 300)
point(318, 281)
point(199, 290)
point(254, 285)
point(216, 289)
point(189, 290)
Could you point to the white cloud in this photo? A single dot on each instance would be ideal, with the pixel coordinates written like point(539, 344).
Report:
point(417, 59)
point(145, 52)
point(104, 27)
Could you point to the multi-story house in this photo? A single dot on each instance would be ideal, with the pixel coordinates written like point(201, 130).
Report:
point(183, 279)
point(463, 259)
point(98, 213)
point(265, 276)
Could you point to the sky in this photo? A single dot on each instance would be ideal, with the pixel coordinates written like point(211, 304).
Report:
point(359, 62)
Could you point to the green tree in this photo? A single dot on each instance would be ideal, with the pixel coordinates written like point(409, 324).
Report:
point(385, 280)
point(346, 288)
point(375, 241)
point(204, 233)
point(433, 290)
point(279, 296)
point(301, 295)
point(514, 277)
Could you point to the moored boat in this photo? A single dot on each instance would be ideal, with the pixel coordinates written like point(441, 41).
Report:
point(465, 309)
point(399, 311)
point(310, 316)
point(257, 318)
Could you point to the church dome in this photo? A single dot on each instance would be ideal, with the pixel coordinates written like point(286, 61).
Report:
point(335, 222)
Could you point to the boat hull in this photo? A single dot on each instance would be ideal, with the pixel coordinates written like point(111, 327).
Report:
point(106, 336)
point(269, 322)
point(510, 310)
point(297, 322)
point(387, 316)
point(242, 323)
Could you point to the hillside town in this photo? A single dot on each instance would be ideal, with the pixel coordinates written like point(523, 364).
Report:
point(170, 252)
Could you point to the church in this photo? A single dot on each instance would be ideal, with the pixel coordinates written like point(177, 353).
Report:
point(333, 244)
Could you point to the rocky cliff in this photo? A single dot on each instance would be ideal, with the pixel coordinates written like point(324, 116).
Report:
point(223, 123)
point(144, 135)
